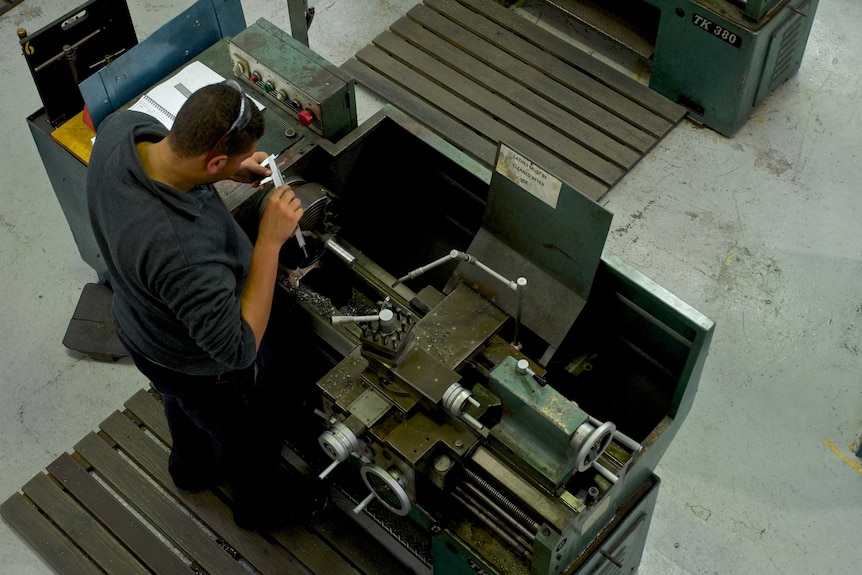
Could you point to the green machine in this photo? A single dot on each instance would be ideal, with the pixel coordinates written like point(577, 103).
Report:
point(483, 386)
point(493, 387)
point(718, 58)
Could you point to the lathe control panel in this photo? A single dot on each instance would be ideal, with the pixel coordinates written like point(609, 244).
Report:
point(294, 78)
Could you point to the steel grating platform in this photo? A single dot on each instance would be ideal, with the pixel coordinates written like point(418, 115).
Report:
point(110, 507)
point(477, 74)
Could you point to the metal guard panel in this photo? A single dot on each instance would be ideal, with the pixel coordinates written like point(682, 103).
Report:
point(200, 26)
point(538, 227)
point(563, 235)
point(664, 311)
point(786, 48)
point(551, 307)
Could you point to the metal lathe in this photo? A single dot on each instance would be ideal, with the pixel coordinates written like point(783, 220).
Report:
point(485, 387)
point(492, 388)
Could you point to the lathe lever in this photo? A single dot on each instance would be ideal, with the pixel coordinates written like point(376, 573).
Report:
point(364, 503)
point(524, 368)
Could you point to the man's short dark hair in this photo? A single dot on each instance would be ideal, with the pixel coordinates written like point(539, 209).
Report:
point(205, 118)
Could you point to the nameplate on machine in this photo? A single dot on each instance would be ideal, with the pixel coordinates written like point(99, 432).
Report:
point(532, 178)
point(717, 30)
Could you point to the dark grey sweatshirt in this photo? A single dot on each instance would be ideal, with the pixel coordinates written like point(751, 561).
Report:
point(177, 261)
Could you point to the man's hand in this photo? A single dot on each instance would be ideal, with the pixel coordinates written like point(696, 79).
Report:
point(280, 216)
point(250, 171)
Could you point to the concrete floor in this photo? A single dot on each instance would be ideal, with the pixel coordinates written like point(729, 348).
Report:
point(760, 232)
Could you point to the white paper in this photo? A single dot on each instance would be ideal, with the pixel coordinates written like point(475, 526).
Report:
point(165, 100)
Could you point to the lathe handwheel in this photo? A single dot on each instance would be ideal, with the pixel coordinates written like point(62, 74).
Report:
point(338, 442)
point(591, 442)
point(386, 486)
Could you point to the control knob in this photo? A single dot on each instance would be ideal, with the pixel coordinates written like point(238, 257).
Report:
point(305, 118)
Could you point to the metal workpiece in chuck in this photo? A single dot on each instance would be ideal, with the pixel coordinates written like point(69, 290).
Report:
point(315, 224)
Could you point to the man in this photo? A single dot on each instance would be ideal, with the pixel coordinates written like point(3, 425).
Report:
point(192, 296)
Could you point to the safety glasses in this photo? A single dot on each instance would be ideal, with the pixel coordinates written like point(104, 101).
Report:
point(242, 119)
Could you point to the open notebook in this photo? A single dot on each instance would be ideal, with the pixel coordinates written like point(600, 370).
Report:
point(165, 100)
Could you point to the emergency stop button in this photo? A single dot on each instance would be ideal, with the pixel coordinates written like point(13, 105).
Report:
point(305, 118)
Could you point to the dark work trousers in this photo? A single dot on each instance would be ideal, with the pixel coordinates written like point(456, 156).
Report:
point(221, 427)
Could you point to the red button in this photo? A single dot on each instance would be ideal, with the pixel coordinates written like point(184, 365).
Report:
point(305, 118)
